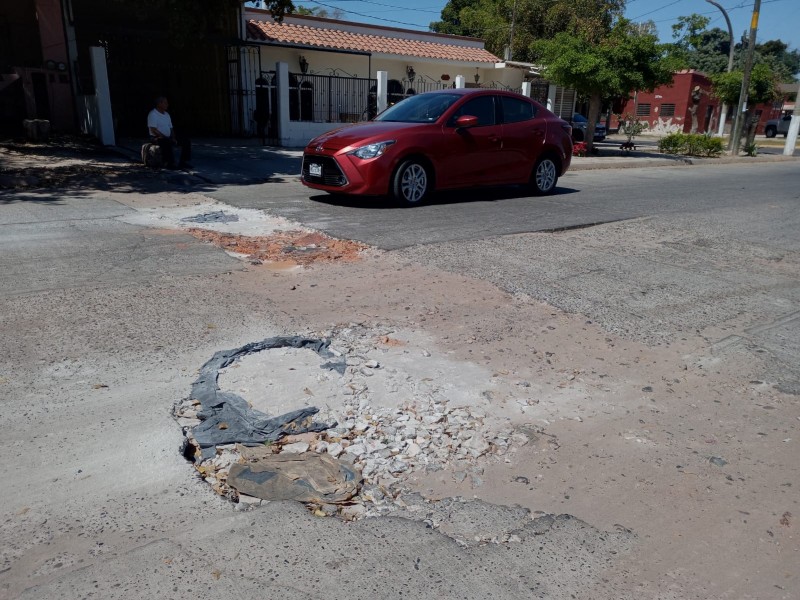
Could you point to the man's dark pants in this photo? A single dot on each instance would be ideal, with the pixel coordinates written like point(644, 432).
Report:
point(167, 150)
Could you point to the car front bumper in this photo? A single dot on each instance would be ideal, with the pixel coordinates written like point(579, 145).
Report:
point(346, 174)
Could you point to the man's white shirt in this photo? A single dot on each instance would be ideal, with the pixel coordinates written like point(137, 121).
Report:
point(160, 121)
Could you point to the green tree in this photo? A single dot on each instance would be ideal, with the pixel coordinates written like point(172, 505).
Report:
point(517, 23)
point(699, 48)
point(316, 11)
point(707, 50)
point(600, 67)
point(783, 62)
point(763, 88)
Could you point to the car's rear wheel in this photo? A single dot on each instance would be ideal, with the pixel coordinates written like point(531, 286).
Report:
point(411, 182)
point(545, 175)
point(770, 131)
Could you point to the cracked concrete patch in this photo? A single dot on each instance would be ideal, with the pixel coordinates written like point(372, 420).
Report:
point(249, 234)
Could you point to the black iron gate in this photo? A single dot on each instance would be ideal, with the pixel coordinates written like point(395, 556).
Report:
point(253, 95)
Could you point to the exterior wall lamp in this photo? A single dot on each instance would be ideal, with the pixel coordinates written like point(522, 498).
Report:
point(411, 73)
point(303, 65)
point(477, 75)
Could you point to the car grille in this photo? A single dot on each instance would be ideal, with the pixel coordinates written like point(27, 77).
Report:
point(331, 173)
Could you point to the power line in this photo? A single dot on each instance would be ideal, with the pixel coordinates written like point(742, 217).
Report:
point(737, 7)
point(352, 12)
point(656, 10)
point(405, 8)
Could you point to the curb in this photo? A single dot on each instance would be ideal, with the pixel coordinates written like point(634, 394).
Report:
point(643, 161)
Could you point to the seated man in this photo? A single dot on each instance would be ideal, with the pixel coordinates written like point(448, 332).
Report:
point(159, 125)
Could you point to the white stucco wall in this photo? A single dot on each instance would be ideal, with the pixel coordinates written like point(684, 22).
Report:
point(325, 63)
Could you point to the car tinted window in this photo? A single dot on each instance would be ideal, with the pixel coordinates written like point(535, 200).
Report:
point(516, 110)
point(424, 108)
point(481, 107)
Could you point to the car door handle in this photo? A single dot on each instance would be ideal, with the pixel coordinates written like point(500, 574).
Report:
point(494, 139)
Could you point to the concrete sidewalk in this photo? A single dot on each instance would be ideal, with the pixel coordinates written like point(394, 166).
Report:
point(237, 161)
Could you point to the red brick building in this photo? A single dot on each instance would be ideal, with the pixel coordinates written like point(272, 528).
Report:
point(668, 108)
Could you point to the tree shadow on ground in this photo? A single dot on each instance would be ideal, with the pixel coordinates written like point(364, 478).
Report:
point(73, 166)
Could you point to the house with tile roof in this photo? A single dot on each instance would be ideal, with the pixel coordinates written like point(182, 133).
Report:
point(332, 72)
point(91, 69)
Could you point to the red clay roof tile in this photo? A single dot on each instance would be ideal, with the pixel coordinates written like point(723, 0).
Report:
point(319, 37)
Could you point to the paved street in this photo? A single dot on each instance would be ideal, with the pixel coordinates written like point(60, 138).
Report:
point(638, 330)
point(582, 198)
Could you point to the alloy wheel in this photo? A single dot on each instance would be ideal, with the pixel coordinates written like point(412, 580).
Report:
point(545, 175)
point(414, 183)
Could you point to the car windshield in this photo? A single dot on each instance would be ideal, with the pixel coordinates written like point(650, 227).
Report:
point(425, 108)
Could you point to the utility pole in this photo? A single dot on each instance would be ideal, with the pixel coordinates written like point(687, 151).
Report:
point(791, 137)
point(733, 144)
point(509, 53)
point(724, 112)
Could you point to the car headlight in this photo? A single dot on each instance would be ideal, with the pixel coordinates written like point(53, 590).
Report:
point(372, 150)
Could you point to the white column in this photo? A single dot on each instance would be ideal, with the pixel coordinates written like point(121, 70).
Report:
point(460, 81)
point(284, 126)
point(526, 88)
point(791, 135)
point(723, 115)
point(382, 90)
point(102, 94)
point(794, 126)
point(551, 97)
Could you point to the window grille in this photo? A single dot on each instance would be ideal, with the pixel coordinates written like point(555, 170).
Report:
point(667, 110)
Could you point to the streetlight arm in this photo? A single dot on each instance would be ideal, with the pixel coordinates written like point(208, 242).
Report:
point(730, 32)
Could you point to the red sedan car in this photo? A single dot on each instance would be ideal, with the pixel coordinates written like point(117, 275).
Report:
point(443, 140)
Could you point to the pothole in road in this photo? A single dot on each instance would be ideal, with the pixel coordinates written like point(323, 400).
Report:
point(357, 418)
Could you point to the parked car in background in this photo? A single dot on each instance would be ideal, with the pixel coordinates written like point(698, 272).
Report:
point(776, 126)
point(440, 140)
point(579, 126)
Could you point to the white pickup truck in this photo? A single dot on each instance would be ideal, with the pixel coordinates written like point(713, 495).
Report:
point(776, 126)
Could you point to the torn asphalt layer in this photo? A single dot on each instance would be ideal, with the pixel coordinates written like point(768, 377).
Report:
point(228, 418)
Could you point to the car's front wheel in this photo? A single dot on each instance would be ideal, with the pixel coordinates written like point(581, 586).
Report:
point(411, 182)
point(770, 132)
point(545, 176)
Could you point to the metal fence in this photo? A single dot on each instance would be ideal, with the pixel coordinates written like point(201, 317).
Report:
point(398, 89)
point(496, 85)
point(422, 85)
point(331, 98)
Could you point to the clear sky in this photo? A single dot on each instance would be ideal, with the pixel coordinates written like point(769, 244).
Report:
point(779, 19)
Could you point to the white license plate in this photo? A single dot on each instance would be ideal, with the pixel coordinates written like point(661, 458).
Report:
point(315, 170)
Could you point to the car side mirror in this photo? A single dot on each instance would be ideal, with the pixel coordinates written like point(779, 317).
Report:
point(466, 121)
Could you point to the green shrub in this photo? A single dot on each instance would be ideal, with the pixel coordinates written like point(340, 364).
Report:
point(674, 143)
point(691, 144)
point(695, 145)
point(714, 146)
